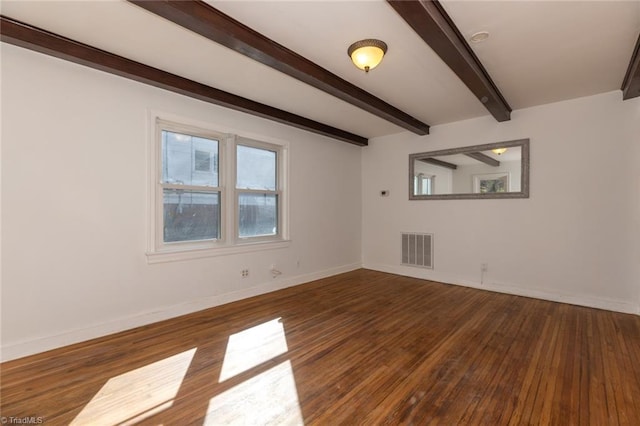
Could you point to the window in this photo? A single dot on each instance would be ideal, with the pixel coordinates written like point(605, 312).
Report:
point(424, 184)
point(190, 196)
point(204, 199)
point(257, 190)
point(491, 183)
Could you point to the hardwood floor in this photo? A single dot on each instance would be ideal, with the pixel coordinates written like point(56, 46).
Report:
point(359, 348)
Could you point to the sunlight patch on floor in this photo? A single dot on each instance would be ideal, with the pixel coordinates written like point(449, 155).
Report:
point(138, 394)
point(269, 398)
point(252, 347)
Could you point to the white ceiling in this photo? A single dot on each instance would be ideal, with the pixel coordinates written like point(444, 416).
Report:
point(538, 52)
point(542, 52)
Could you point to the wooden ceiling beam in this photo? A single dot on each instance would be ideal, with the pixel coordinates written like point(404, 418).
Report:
point(483, 158)
point(29, 37)
point(440, 163)
point(631, 83)
point(432, 23)
point(204, 19)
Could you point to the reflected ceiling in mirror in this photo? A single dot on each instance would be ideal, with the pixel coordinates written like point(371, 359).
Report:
point(496, 170)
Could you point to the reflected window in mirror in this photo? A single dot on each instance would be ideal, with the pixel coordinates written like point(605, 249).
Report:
point(498, 170)
point(424, 184)
point(492, 183)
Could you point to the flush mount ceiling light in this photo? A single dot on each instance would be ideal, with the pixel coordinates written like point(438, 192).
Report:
point(499, 150)
point(479, 36)
point(367, 54)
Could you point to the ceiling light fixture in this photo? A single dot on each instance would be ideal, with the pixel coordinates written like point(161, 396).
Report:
point(499, 151)
point(479, 36)
point(367, 54)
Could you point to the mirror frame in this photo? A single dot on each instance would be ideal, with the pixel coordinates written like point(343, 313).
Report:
point(524, 171)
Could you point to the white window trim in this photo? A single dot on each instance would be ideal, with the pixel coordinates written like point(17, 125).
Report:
point(227, 244)
point(160, 245)
point(280, 182)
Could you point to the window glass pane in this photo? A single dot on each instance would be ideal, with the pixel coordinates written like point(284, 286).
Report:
point(189, 160)
point(258, 215)
point(191, 216)
point(256, 168)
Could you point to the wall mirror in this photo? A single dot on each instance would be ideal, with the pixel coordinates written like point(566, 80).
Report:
point(495, 170)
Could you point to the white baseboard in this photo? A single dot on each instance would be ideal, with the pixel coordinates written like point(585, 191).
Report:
point(45, 343)
point(588, 301)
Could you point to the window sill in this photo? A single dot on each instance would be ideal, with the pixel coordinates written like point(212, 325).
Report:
point(190, 254)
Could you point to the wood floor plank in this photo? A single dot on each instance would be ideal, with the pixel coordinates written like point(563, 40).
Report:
point(358, 348)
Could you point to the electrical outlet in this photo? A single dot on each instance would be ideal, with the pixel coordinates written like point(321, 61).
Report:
point(245, 273)
point(484, 267)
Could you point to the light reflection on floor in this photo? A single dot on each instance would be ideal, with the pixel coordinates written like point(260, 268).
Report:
point(269, 398)
point(138, 394)
point(252, 347)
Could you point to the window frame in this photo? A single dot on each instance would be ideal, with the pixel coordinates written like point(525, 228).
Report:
point(157, 250)
point(278, 192)
point(160, 244)
point(432, 184)
point(419, 183)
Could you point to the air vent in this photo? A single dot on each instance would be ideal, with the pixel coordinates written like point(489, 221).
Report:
point(417, 250)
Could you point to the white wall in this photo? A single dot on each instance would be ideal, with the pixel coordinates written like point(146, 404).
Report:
point(576, 239)
point(74, 217)
point(74, 208)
